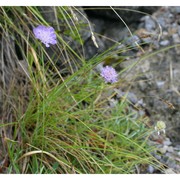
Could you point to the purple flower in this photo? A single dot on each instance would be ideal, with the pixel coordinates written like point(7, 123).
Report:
point(45, 34)
point(109, 74)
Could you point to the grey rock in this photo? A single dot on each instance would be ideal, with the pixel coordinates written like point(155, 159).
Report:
point(167, 142)
point(171, 163)
point(169, 171)
point(177, 148)
point(147, 40)
point(128, 13)
point(163, 149)
point(178, 153)
point(160, 84)
point(132, 98)
point(162, 22)
point(171, 17)
point(175, 9)
point(150, 169)
point(170, 149)
point(132, 41)
point(150, 24)
point(158, 157)
point(90, 49)
point(164, 43)
point(112, 103)
point(176, 38)
point(164, 158)
point(142, 85)
point(179, 30)
point(141, 103)
point(99, 67)
point(141, 113)
point(129, 95)
point(177, 169)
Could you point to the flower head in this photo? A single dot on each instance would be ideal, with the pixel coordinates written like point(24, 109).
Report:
point(45, 34)
point(160, 127)
point(109, 74)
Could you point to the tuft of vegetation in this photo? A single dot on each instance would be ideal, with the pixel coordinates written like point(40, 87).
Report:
point(58, 120)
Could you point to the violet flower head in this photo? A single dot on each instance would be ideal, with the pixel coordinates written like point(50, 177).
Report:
point(109, 74)
point(45, 34)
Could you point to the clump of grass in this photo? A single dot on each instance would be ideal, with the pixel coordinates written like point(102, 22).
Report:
point(83, 136)
point(66, 125)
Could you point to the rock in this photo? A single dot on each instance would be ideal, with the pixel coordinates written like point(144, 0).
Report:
point(142, 113)
point(175, 10)
point(132, 98)
point(171, 18)
point(165, 34)
point(106, 22)
point(159, 69)
point(141, 103)
point(112, 103)
point(129, 95)
point(150, 24)
point(164, 43)
point(163, 149)
point(177, 147)
point(132, 41)
point(178, 153)
point(170, 149)
point(179, 30)
point(167, 142)
point(169, 171)
point(128, 13)
point(90, 48)
point(158, 157)
point(162, 22)
point(150, 169)
point(145, 67)
point(147, 40)
point(160, 84)
point(99, 67)
point(178, 169)
point(176, 38)
point(171, 163)
point(142, 85)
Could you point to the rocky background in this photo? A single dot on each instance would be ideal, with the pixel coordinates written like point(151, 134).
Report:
point(157, 82)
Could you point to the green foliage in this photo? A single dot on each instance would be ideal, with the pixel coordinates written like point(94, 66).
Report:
point(67, 126)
